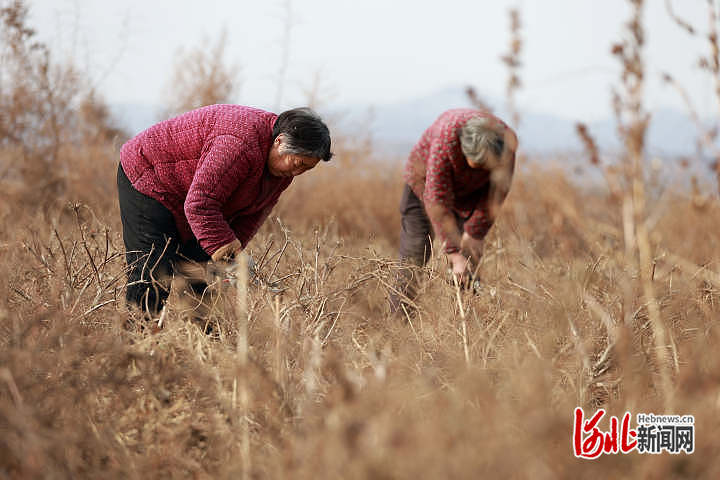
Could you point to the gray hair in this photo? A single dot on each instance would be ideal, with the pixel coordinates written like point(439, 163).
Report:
point(478, 139)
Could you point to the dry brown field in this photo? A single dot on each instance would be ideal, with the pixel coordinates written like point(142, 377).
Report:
point(584, 303)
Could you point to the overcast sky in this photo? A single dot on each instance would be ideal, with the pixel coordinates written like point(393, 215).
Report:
point(376, 51)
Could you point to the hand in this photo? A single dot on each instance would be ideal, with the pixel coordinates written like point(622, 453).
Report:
point(192, 271)
point(460, 266)
point(227, 252)
point(465, 274)
point(472, 248)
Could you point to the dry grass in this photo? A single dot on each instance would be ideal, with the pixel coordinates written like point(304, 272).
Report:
point(320, 382)
point(336, 387)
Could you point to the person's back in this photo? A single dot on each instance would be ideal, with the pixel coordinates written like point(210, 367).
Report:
point(195, 162)
point(437, 163)
point(165, 156)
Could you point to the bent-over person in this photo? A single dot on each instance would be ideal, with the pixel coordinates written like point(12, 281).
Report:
point(197, 187)
point(457, 176)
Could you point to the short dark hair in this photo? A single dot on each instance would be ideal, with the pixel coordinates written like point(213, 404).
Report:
point(305, 133)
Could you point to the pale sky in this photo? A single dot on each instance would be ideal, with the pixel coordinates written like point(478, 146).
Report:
point(370, 52)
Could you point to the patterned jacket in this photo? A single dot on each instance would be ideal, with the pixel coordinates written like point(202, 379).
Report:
point(208, 167)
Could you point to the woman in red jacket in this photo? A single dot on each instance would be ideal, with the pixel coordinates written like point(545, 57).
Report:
point(457, 177)
point(197, 187)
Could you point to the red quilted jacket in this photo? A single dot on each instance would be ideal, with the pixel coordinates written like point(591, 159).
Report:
point(208, 167)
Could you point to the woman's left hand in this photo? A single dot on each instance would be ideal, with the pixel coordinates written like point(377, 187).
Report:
point(472, 248)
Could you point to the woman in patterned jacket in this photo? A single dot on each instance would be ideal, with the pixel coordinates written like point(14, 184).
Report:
point(197, 187)
point(457, 176)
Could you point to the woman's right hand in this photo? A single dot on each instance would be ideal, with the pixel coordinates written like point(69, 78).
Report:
point(460, 266)
point(227, 252)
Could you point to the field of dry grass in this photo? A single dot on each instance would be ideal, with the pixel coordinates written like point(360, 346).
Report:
point(335, 387)
point(320, 381)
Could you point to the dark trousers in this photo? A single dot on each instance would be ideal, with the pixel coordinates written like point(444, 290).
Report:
point(415, 229)
point(152, 247)
point(415, 246)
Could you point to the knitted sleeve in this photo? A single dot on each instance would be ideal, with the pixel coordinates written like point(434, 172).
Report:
point(439, 195)
point(221, 169)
